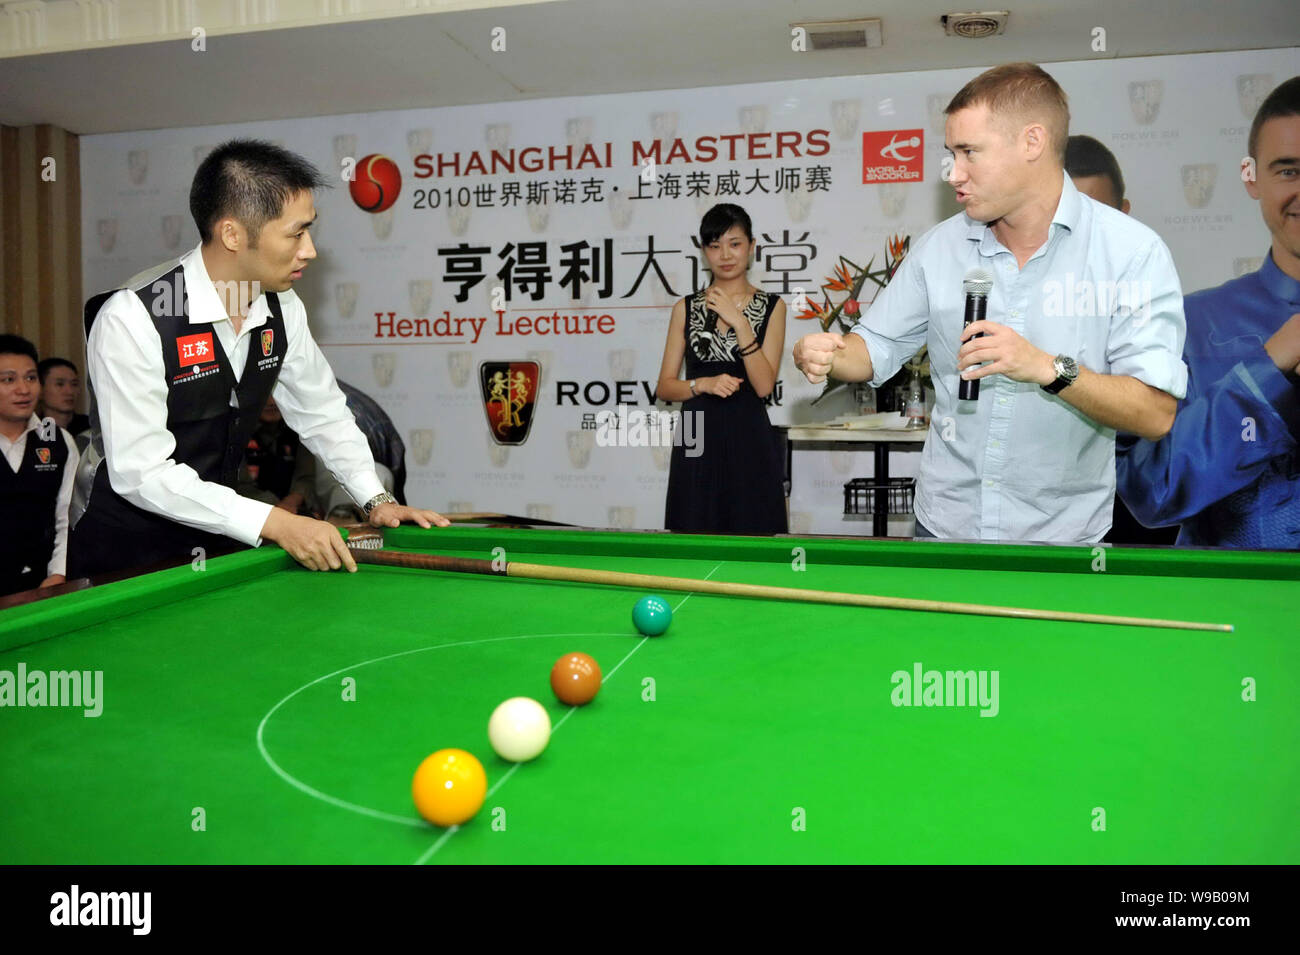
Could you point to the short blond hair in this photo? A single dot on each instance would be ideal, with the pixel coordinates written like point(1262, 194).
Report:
point(1020, 91)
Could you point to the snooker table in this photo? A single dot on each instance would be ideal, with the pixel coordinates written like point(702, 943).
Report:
point(752, 731)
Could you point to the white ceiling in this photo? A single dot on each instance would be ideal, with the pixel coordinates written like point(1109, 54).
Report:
point(578, 47)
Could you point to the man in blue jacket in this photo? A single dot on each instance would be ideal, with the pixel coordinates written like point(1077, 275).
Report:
point(1229, 470)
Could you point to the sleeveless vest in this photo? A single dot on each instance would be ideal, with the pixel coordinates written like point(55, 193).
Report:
point(27, 508)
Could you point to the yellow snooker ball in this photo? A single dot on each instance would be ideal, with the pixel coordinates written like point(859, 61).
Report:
point(449, 787)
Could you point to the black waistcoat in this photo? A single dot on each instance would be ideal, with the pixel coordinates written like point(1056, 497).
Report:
point(27, 502)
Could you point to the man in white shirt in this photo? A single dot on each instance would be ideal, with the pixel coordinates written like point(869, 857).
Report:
point(36, 478)
point(180, 362)
point(1088, 332)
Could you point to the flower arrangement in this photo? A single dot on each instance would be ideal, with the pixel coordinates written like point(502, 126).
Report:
point(850, 278)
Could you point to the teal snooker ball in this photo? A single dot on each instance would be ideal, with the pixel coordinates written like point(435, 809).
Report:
point(652, 615)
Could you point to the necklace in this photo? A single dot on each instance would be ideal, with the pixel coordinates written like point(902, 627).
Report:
point(742, 303)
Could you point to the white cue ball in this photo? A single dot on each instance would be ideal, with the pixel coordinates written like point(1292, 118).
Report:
point(519, 729)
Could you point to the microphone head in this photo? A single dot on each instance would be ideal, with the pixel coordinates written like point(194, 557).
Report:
point(977, 282)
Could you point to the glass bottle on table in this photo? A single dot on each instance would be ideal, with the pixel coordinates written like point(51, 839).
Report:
point(864, 398)
point(914, 403)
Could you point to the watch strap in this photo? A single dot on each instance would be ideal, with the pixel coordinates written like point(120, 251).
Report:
point(374, 502)
point(1057, 386)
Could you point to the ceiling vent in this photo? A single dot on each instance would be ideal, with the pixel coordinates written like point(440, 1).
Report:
point(841, 34)
point(975, 26)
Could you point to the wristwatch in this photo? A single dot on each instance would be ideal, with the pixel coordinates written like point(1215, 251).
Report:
point(692, 384)
point(375, 501)
point(1067, 369)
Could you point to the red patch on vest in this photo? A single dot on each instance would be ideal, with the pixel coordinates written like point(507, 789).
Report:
point(195, 349)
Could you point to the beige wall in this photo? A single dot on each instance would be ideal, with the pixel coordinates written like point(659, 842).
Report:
point(40, 239)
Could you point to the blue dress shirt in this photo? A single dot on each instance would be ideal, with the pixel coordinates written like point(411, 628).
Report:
point(1020, 464)
point(1229, 470)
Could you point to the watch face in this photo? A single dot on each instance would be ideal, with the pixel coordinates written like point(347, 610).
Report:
point(1067, 367)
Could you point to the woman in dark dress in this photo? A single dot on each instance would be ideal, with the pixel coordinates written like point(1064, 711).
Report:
point(730, 335)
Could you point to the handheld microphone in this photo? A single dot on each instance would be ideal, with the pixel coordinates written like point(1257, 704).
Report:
point(977, 284)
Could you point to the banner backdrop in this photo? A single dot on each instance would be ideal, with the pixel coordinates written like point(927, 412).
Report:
point(468, 242)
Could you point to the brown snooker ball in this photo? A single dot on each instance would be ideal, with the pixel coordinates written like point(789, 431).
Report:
point(575, 678)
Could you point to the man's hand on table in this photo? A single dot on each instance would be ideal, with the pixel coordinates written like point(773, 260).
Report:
point(316, 545)
point(391, 515)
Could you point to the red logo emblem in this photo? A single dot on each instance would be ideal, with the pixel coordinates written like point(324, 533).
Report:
point(43, 455)
point(195, 349)
point(509, 390)
point(894, 155)
point(376, 183)
point(268, 339)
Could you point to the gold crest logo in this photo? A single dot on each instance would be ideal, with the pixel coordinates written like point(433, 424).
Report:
point(509, 390)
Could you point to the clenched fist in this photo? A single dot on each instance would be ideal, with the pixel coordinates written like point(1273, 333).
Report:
point(813, 354)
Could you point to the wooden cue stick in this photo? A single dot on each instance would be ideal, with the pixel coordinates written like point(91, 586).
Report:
point(474, 565)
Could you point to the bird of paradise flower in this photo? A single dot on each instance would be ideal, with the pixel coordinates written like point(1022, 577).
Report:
point(850, 278)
